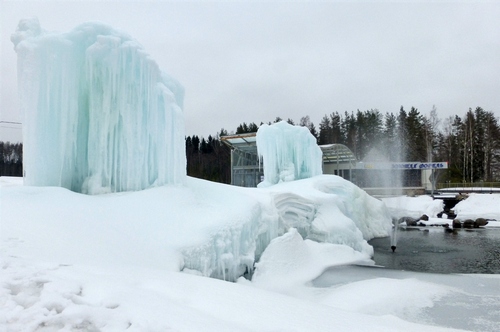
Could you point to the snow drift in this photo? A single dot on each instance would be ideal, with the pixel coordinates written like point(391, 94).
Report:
point(478, 205)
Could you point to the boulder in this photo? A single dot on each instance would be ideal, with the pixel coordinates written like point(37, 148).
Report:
point(480, 222)
point(456, 223)
point(469, 223)
point(408, 220)
point(424, 217)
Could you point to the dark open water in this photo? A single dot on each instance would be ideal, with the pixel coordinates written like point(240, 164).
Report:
point(432, 249)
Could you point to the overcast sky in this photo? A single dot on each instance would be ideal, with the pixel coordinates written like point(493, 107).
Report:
point(251, 62)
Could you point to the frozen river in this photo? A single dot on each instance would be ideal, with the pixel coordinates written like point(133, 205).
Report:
point(433, 249)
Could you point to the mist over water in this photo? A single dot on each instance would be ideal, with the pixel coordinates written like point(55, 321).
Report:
point(391, 180)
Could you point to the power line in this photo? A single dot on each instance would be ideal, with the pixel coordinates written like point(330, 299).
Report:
point(10, 122)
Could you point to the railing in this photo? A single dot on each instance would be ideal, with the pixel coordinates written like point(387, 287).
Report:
point(484, 187)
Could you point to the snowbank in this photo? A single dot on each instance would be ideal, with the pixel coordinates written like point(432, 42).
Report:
point(474, 206)
point(414, 207)
point(479, 206)
point(53, 297)
point(217, 230)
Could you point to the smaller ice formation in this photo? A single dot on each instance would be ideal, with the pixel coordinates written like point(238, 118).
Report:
point(99, 115)
point(288, 152)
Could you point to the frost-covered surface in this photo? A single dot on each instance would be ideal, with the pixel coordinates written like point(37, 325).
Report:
point(217, 230)
point(99, 115)
point(275, 270)
point(415, 207)
point(479, 206)
point(330, 209)
point(112, 262)
point(288, 153)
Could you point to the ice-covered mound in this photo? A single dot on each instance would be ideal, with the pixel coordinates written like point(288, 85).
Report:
point(290, 261)
point(217, 230)
point(322, 209)
point(98, 114)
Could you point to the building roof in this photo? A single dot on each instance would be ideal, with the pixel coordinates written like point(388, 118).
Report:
point(246, 142)
point(337, 153)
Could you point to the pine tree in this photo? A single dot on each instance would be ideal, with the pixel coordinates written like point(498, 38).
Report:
point(324, 131)
point(390, 143)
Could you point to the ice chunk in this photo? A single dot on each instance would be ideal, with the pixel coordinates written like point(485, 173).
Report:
point(289, 261)
point(288, 152)
point(99, 115)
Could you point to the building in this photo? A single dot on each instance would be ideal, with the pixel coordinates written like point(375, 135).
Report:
point(377, 178)
point(246, 170)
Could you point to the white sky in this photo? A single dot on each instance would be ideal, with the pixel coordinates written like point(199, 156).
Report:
point(251, 62)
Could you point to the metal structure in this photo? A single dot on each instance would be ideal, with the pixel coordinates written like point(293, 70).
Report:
point(246, 170)
point(338, 159)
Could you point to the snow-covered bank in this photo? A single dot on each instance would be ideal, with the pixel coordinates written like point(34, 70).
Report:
point(479, 205)
point(414, 207)
point(474, 206)
point(43, 297)
point(113, 262)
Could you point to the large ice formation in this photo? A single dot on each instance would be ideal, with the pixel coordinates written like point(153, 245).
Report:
point(202, 227)
point(288, 152)
point(99, 115)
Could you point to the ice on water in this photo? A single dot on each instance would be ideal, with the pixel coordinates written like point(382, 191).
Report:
point(99, 115)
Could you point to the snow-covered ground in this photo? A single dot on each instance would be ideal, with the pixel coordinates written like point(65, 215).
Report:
point(138, 261)
point(414, 207)
point(479, 205)
point(475, 206)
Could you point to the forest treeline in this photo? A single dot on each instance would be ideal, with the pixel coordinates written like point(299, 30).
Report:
point(11, 159)
point(470, 144)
